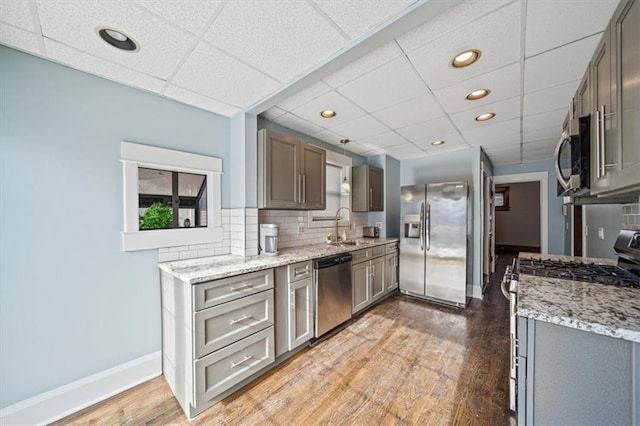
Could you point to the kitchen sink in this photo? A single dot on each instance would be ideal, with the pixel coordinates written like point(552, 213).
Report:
point(347, 243)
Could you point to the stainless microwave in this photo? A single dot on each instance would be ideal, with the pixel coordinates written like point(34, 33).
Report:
point(572, 157)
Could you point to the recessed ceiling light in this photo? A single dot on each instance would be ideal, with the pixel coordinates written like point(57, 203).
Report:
point(117, 39)
point(477, 94)
point(437, 143)
point(327, 113)
point(485, 116)
point(465, 58)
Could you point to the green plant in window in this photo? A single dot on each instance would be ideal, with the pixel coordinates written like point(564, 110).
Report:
point(157, 216)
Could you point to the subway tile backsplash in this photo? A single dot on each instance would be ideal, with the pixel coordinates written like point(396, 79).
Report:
point(294, 230)
point(631, 216)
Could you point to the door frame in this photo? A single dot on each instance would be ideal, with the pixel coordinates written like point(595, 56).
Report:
point(487, 225)
point(543, 179)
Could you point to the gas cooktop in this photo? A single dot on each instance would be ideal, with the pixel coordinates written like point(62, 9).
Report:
point(588, 272)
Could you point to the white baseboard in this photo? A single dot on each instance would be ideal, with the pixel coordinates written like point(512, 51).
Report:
point(68, 399)
point(474, 291)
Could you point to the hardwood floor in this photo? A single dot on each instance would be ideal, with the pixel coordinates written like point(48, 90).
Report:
point(402, 362)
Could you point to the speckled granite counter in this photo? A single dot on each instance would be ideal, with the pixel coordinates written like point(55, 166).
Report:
point(597, 308)
point(195, 271)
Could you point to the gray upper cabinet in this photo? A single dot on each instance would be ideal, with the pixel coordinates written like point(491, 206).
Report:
point(367, 189)
point(582, 101)
point(291, 174)
point(615, 71)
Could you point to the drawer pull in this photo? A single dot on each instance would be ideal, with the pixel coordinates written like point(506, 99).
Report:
point(301, 271)
point(237, 363)
point(240, 287)
point(237, 320)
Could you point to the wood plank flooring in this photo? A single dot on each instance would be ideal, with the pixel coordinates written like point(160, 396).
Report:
point(402, 362)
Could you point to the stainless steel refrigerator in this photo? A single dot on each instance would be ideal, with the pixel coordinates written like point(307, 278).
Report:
point(433, 242)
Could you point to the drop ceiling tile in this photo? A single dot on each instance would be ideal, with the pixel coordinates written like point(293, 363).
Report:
point(497, 36)
point(366, 63)
point(17, 13)
point(272, 113)
point(296, 123)
point(387, 85)
point(215, 74)
point(200, 101)
point(189, 15)
point(452, 140)
point(448, 21)
point(507, 132)
point(330, 137)
point(503, 83)
point(84, 62)
point(540, 134)
point(356, 148)
point(549, 99)
point(373, 153)
point(428, 131)
point(504, 110)
point(281, 38)
point(550, 25)
point(552, 118)
point(303, 96)
point(356, 17)
point(403, 152)
point(504, 155)
point(413, 111)
point(74, 22)
point(541, 144)
point(19, 39)
point(360, 128)
point(504, 160)
point(559, 66)
point(383, 140)
point(345, 110)
point(534, 156)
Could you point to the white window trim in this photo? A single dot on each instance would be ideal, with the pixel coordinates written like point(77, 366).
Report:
point(134, 156)
point(345, 162)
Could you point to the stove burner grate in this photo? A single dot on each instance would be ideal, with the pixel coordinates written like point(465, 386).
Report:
point(587, 272)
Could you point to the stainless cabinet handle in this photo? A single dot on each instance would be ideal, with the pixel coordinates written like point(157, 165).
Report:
point(373, 271)
point(299, 190)
point(370, 197)
point(603, 133)
point(237, 363)
point(598, 170)
point(304, 188)
point(304, 271)
point(239, 287)
point(293, 300)
point(237, 320)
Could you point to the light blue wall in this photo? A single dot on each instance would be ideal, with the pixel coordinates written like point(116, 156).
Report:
point(243, 169)
point(454, 166)
point(390, 217)
point(71, 302)
point(556, 219)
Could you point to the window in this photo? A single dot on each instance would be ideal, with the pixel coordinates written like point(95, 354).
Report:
point(338, 167)
point(501, 198)
point(170, 197)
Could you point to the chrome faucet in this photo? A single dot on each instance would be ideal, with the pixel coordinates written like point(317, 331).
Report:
point(338, 218)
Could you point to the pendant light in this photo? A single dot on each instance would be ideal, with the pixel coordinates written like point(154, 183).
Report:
point(345, 188)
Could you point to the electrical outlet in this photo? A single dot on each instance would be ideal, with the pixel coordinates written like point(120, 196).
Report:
point(378, 224)
point(300, 229)
point(601, 233)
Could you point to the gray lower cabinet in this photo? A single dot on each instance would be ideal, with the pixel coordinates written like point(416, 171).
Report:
point(391, 268)
point(216, 335)
point(291, 173)
point(294, 306)
point(368, 277)
point(569, 376)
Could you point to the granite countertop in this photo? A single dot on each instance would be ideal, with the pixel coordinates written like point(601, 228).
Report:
point(597, 308)
point(194, 271)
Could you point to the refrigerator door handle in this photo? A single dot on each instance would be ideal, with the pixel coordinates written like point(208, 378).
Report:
point(428, 226)
point(420, 229)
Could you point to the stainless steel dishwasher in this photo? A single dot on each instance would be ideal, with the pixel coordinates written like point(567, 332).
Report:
point(332, 278)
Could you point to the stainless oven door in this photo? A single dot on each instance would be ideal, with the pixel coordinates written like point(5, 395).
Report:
point(562, 157)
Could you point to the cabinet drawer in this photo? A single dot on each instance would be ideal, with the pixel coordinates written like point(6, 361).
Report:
point(360, 256)
point(225, 368)
point(217, 327)
point(213, 293)
point(391, 248)
point(377, 251)
point(299, 271)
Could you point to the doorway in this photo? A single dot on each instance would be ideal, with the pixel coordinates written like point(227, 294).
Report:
point(517, 208)
point(539, 221)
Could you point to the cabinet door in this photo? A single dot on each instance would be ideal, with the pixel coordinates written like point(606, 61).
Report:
point(281, 176)
point(361, 289)
point(391, 272)
point(583, 96)
point(377, 278)
point(300, 313)
point(376, 189)
point(626, 33)
point(313, 169)
point(603, 149)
